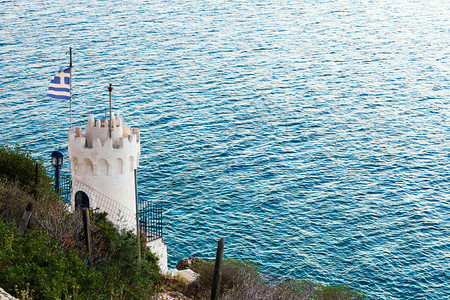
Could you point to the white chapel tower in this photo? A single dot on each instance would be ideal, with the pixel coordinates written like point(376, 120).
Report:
point(103, 162)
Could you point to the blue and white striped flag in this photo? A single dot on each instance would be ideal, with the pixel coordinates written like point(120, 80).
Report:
point(60, 85)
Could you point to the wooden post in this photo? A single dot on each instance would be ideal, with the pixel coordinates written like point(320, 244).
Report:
point(217, 270)
point(138, 233)
point(25, 218)
point(36, 182)
point(87, 232)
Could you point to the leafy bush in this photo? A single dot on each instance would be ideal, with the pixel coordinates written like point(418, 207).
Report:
point(338, 292)
point(13, 201)
point(306, 289)
point(48, 214)
point(49, 260)
point(35, 260)
point(119, 252)
point(242, 280)
point(23, 180)
point(18, 165)
point(233, 273)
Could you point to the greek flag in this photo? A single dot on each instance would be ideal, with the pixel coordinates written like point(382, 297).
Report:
point(60, 85)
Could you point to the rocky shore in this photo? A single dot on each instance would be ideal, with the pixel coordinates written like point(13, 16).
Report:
point(5, 296)
point(184, 278)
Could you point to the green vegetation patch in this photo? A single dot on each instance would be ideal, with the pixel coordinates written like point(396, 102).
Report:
point(243, 280)
point(36, 261)
point(18, 165)
point(49, 260)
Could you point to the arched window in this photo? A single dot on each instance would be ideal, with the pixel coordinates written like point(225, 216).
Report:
point(118, 166)
point(76, 166)
point(88, 167)
point(102, 167)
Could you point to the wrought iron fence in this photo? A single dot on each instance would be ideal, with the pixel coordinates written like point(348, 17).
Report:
point(120, 215)
point(65, 188)
point(150, 214)
point(150, 220)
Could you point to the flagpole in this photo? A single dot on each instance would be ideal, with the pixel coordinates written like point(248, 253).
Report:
point(70, 55)
point(70, 68)
point(110, 113)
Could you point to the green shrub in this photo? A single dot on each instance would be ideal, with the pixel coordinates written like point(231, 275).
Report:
point(140, 277)
point(307, 289)
point(48, 214)
point(49, 260)
point(119, 249)
point(23, 180)
point(242, 280)
point(13, 201)
point(35, 260)
point(18, 165)
point(233, 272)
point(338, 292)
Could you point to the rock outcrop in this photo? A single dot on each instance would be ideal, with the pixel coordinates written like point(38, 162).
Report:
point(5, 296)
point(183, 279)
point(172, 296)
point(186, 263)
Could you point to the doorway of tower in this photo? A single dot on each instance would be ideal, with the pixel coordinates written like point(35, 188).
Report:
point(81, 200)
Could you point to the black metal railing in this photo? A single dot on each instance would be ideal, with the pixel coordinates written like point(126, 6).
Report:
point(150, 221)
point(150, 214)
point(65, 187)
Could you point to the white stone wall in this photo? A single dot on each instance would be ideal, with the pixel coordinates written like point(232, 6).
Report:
point(160, 250)
point(107, 165)
point(103, 163)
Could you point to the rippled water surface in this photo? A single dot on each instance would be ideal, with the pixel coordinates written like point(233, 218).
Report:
point(312, 135)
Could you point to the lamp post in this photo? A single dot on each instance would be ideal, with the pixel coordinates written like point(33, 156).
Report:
point(57, 161)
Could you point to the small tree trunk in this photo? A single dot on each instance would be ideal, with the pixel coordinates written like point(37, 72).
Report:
point(217, 270)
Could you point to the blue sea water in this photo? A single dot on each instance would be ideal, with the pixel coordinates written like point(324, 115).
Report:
point(312, 135)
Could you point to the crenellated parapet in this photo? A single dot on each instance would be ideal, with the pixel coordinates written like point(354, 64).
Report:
point(96, 152)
